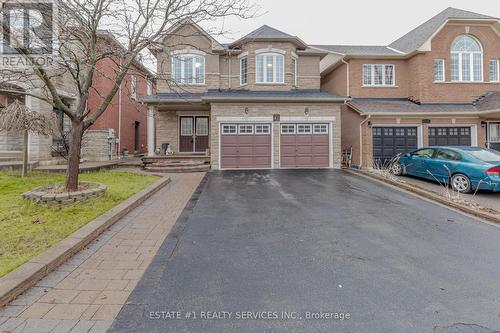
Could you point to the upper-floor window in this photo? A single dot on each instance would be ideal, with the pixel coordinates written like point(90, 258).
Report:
point(466, 60)
point(133, 87)
point(269, 68)
point(378, 75)
point(243, 71)
point(494, 70)
point(294, 71)
point(188, 69)
point(439, 70)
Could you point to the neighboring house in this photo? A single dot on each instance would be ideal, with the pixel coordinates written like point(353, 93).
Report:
point(122, 126)
point(255, 103)
point(124, 123)
point(437, 85)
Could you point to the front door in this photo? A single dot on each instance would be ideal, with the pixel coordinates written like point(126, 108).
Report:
point(193, 134)
point(201, 134)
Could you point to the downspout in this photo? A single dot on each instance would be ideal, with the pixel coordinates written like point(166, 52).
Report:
point(229, 68)
point(119, 116)
point(348, 90)
point(361, 140)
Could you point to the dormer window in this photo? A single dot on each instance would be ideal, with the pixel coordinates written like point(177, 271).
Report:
point(269, 68)
point(466, 60)
point(188, 69)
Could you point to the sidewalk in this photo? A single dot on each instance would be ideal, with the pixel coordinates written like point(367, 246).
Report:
point(86, 293)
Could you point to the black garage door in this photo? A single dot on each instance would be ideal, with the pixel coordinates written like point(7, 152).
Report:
point(449, 136)
point(389, 141)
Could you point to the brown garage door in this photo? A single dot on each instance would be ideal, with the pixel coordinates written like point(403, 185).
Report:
point(304, 146)
point(245, 146)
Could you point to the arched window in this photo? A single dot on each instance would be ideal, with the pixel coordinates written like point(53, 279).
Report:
point(466, 59)
point(269, 68)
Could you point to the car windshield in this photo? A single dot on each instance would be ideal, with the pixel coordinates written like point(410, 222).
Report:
point(485, 154)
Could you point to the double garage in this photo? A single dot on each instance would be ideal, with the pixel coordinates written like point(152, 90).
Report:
point(389, 141)
point(299, 145)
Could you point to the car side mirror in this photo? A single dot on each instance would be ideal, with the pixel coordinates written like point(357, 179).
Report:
point(407, 155)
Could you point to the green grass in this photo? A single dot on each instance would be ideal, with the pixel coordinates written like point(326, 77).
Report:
point(27, 229)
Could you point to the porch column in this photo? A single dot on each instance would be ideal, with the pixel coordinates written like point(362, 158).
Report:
point(151, 131)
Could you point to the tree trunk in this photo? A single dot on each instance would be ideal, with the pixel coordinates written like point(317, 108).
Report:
point(75, 146)
point(25, 154)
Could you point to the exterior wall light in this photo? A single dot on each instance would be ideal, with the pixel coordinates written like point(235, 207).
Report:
point(306, 112)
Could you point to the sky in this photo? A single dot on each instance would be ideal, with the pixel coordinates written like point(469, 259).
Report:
point(363, 22)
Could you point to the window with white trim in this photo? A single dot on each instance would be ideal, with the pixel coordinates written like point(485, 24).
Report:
point(378, 75)
point(229, 129)
point(287, 128)
point(245, 129)
point(243, 71)
point(439, 70)
point(294, 71)
point(133, 87)
point(320, 128)
point(494, 70)
point(269, 68)
point(304, 129)
point(188, 69)
point(262, 129)
point(466, 60)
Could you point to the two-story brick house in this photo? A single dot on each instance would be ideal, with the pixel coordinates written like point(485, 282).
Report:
point(437, 85)
point(254, 103)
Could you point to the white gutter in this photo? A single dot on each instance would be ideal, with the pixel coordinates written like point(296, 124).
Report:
point(348, 90)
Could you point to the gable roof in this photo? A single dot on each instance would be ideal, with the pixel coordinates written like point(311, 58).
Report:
point(216, 46)
point(266, 32)
point(418, 36)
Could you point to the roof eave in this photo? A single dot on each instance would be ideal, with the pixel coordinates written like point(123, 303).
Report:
point(295, 40)
point(229, 99)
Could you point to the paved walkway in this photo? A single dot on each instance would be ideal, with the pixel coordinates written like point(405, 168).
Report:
point(87, 292)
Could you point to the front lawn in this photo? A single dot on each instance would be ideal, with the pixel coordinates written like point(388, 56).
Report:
point(27, 229)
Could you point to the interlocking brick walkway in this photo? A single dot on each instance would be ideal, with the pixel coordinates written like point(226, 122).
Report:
point(86, 293)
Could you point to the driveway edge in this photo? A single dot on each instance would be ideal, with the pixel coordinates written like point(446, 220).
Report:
point(429, 195)
point(28, 274)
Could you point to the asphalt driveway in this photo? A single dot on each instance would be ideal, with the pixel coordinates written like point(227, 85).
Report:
point(257, 244)
point(484, 198)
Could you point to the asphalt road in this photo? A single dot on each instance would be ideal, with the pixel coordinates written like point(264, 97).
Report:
point(297, 241)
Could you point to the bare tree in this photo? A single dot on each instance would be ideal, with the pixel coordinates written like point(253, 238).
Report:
point(83, 29)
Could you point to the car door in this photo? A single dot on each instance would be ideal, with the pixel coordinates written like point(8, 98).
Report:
point(443, 164)
point(418, 164)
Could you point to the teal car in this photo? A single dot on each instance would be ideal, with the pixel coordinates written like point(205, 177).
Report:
point(465, 169)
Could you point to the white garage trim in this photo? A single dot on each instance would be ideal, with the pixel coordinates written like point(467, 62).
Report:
point(420, 132)
point(245, 119)
point(219, 153)
point(331, 145)
point(304, 119)
point(473, 131)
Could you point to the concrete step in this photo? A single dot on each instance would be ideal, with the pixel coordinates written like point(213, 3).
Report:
point(10, 159)
point(16, 165)
point(178, 169)
point(12, 154)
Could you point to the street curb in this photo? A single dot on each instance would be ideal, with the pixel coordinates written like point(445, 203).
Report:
point(430, 195)
point(28, 274)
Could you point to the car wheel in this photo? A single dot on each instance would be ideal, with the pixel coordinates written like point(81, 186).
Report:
point(397, 169)
point(461, 183)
